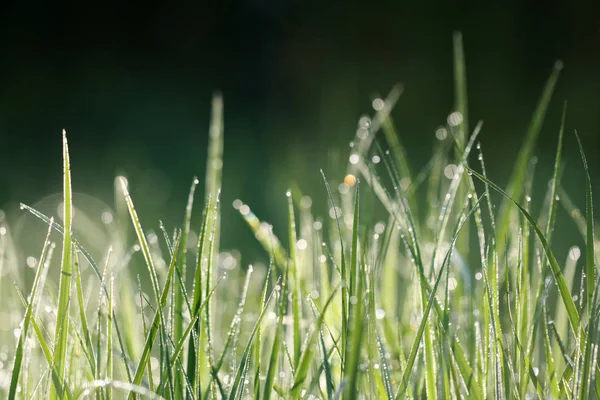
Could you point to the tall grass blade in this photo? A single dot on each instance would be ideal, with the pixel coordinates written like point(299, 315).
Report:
point(307, 354)
point(62, 317)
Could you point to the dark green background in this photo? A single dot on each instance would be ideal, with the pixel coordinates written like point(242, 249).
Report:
point(132, 85)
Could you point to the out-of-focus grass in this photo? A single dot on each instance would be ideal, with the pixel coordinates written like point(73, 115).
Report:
point(353, 307)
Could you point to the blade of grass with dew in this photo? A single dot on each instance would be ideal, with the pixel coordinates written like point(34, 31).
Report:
point(46, 350)
point(589, 211)
point(109, 343)
point(461, 106)
point(354, 268)
point(210, 264)
point(18, 359)
point(567, 299)
point(308, 352)
point(181, 273)
point(404, 382)
point(353, 359)
point(515, 186)
point(296, 307)
point(246, 354)
point(180, 345)
point(342, 270)
point(195, 341)
point(83, 319)
point(277, 340)
point(58, 228)
point(60, 336)
point(258, 345)
point(157, 322)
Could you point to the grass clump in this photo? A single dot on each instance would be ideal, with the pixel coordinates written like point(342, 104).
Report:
point(353, 307)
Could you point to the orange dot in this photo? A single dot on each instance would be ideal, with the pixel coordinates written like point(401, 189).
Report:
point(350, 180)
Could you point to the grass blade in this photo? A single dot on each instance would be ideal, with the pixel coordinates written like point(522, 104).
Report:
point(62, 318)
point(18, 359)
point(556, 272)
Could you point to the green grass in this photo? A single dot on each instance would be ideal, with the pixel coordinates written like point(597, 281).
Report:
point(353, 307)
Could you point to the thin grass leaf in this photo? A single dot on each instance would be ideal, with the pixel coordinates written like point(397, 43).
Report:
point(18, 359)
point(589, 212)
point(156, 322)
point(296, 306)
point(246, 354)
point(83, 319)
point(308, 352)
point(556, 272)
point(421, 329)
point(62, 317)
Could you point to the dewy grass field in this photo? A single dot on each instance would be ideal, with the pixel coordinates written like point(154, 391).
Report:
point(349, 308)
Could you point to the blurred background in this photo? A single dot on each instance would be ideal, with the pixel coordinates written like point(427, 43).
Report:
point(132, 86)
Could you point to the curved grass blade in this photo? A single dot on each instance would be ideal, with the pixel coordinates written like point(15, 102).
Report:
point(589, 212)
point(419, 335)
point(307, 354)
point(18, 359)
point(246, 354)
point(556, 272)
point(157, 322)
point(343, 271)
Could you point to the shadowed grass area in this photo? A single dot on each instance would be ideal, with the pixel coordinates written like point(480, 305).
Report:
point(352, 307)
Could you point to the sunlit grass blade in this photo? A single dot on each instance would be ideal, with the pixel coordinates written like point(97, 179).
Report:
point(342, 270)
point(157, 322)
point(308, 352)
point(62, 316)
point(195, 342)
point(277, 341)
point(66, 392)
point(83, 319)
point(515, 186)
point(589, 212)
point(296, 306)
point(181, 273)
point(240, 374)
point(404, 382)
point(354, 292)
point(258, 344)
point(556, 271)
point(109, 342)
point(18, 359)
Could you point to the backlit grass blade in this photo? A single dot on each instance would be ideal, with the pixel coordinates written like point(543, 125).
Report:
point(181, 273)
point(517, 180)
point(46, 351)
point(246, 354)
point(83, 319)
point(157, 322)
point(355, 344)
point(277, 340)
point(308, 352)
point(258, 344)
point(342, 269)
point(404, 382)
point(556, 271)
point(589, 213)
point(109, 342)
point(62, 317)
point(296, 306)
point(355, 293)
point(195, 339)
point(18, 359)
